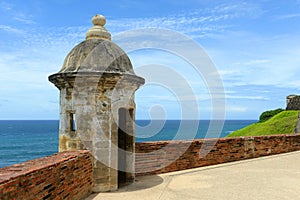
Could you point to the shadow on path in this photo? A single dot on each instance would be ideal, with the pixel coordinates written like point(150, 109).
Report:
point(141, 183)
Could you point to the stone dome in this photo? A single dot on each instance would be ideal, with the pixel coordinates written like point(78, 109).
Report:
point(97, 53)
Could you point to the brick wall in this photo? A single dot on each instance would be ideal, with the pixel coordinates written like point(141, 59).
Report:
point(66, 175)
point(161, 157)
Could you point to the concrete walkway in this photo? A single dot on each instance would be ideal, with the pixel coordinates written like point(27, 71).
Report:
point(273, 177)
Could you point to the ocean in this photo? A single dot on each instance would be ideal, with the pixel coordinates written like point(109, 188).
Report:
point(26, 140)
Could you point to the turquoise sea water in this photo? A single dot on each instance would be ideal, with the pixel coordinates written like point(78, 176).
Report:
point(25, 140)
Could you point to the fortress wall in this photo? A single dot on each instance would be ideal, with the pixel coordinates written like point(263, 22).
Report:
point(66, 175)
point(293, 103)
point(161, 157)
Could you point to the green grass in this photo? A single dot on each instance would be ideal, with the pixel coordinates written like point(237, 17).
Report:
point(282, 123)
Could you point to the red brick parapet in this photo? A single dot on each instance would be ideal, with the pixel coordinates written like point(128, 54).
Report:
point(68, 175)
point(65, 175)
point(223, 150)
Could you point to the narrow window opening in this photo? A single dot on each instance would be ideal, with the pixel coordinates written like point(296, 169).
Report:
point(73, 121)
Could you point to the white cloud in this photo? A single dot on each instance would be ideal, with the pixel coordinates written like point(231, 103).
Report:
point(5, 6)
point(178, 99)
point(247, 97)
point(243, 58)
point(198, 23)
point(247, 58)
point(253, 62)
point(11, 29)
point(12, 12)
point(236, 109)
point(239, 9)
point(24, 20)
point(288, 16)
point(225, 72)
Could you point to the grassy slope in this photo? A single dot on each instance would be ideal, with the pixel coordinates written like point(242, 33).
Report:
point(282, 123)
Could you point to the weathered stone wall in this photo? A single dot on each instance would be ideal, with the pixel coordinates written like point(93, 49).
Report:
point(293, 102)
point(66, 175)
point(96, 99)
point(97, 82)
point(223, 150)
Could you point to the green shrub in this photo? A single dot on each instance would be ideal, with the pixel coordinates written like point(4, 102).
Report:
point(269, 114)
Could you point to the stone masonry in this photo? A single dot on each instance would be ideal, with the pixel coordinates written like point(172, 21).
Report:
point(293, 102)
point(97, 109)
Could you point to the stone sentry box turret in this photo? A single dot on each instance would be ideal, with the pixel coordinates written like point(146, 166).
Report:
point(293, 102)
point(97, 109)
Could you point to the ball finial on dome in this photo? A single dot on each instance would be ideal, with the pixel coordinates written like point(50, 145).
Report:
point(99, 20)
point(98, 31)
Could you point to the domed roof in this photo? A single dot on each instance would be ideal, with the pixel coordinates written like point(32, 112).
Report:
point(97, 53)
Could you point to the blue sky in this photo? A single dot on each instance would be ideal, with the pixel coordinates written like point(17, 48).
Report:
point(255, 46)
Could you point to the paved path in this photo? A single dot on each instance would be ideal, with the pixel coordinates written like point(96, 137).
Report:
point(273, 177)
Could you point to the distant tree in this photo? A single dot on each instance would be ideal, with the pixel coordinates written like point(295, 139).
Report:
point(269, 114)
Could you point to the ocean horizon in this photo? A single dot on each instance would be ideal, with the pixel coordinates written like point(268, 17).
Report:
point(23, 140)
